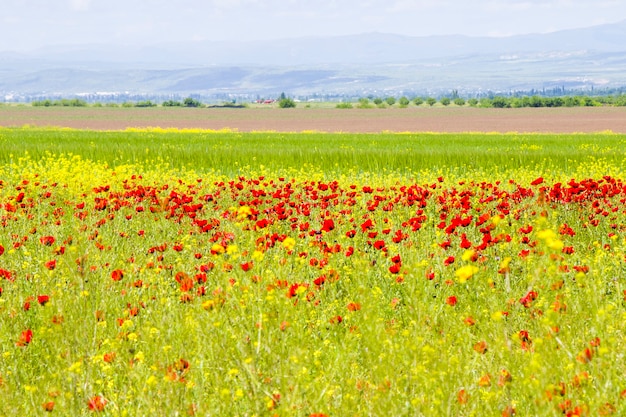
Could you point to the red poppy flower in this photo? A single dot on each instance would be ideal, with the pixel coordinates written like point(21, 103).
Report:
point(527, 300)
point(51, 264)
point(524, 336)
point(354, 306)
point(509, 411)
point(186, 283)
point(96, 403)
point(48, 406)
point(526, 229)
point(480, 347)
point(399, 237)
point(320, 280)
point(43, 299)
point(178, 370)
point(117, 275)
point(367, 224)
point(328, 225)
point(207, 267)
point(25, 338)
point(1, 249)
point(295, 289)
point(379, 244)
point(246, 266)
point(451, 301)
point(462, 396)
point(585, 355)
point(47, 240)
point(484, 381)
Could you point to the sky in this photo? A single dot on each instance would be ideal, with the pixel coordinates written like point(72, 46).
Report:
point(31, 24)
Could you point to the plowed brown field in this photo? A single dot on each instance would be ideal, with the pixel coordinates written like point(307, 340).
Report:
point(423, 119)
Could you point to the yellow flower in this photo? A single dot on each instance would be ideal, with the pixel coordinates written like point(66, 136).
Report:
point(465, 272)
point(231, 249)
point(550, 239)
point(468, 254)
point(243, 212)
point(289, 243)
point(257, 255)
point(217, 249)
point(505, 262)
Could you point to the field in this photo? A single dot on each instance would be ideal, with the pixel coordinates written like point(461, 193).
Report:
point(159, 271)
point(323, 119)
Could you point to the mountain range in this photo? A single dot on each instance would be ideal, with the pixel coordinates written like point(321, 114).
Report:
point(358, 65)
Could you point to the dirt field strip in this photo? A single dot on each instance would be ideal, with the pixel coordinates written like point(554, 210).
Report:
point(412, 119)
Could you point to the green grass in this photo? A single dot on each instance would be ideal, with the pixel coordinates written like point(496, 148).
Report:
point(229, 152)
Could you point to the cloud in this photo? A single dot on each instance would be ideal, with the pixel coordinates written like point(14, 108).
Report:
point(80, 5)
point(402, 6)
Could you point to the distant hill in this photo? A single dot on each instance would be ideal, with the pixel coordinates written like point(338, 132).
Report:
point(593, 57)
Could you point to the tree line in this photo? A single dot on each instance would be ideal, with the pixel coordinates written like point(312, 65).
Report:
point(188, 102)
point(489, 102)
point(380, 102)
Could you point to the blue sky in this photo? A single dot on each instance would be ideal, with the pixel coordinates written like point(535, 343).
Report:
point(31, 24)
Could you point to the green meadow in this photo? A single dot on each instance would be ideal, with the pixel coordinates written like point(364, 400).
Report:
point(231, 152)
point(164, 272)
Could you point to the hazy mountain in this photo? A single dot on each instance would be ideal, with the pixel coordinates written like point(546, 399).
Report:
point(594, 56)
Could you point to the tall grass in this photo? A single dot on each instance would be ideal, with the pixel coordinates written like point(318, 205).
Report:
point(228, 152)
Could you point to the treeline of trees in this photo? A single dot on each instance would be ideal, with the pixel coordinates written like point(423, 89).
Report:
point(284, 102)
point(188, 102)
point(538, 101)
point(491, 102)
point(74, 102)
point(373, 102)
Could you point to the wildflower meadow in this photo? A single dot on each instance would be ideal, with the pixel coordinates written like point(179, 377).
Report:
point(189, 272)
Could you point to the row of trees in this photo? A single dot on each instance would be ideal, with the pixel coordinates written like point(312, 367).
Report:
point(537, 101)
point(188, 102)
point(493, 102)
point(60, 103)
point(373, 102)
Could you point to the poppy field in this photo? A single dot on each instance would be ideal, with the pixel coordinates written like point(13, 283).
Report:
point(190, 272)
